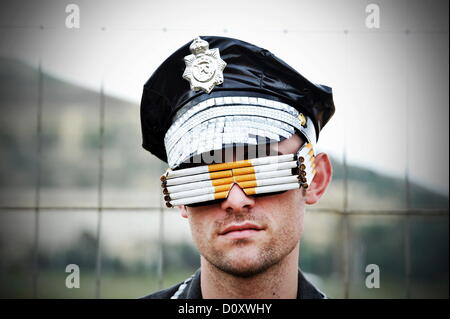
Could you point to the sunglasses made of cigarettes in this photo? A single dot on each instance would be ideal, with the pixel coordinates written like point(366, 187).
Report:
point(210, 184)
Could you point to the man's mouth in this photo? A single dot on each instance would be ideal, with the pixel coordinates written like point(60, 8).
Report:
point(238, 231)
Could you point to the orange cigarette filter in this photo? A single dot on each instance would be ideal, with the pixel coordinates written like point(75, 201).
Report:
point(229, 165)
point(247, 184)
point(222, 188)
point(224, 194)
point(227, 187)
point(222, 181)
point(220, 174)
point(221, 195)
point(250, 191)
point(234, 179)
point(243, 171)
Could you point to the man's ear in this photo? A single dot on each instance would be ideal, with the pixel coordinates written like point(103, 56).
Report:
point(183, 211)
point(321, 180)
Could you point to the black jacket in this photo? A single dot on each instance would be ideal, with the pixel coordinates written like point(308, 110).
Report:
point(190, 289)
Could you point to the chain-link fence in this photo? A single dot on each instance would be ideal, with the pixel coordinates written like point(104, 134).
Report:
point(73, 151)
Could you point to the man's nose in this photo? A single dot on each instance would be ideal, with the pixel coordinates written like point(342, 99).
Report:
point(237, 200)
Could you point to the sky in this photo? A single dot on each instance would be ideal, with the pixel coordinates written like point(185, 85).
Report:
point(390, 83)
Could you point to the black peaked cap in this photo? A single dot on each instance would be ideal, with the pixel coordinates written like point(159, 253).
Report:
point(250, 71)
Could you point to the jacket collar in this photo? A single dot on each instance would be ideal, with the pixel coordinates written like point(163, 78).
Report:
point(191, 288)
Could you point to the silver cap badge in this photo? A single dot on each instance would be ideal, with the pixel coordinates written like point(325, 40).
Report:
point(204, 67)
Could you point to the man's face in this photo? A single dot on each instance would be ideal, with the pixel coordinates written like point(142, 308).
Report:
point(245, 235)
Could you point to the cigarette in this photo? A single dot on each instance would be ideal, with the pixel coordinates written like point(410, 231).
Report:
point(222, 195)
point(256, 176)
point(307, 163)
point(227, 166)
point(306, 152)
point(228, 180)
point(230, 173)
point(264, 168)
point(227, 187)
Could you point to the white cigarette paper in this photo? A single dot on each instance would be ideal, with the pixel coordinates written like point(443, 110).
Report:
point(212, 189)
point(231, 172)
point(208, 183)
point(248, 191)
point(217, 167)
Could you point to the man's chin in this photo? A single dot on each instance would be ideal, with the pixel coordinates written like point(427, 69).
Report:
point(243, 264)
point(243, 271)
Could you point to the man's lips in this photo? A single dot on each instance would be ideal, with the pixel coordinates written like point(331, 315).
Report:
point(241, 230)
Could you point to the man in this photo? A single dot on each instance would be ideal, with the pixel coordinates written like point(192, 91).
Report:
point(238, 128)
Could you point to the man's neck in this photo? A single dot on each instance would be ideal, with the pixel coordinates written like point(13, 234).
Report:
point(278, 282)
